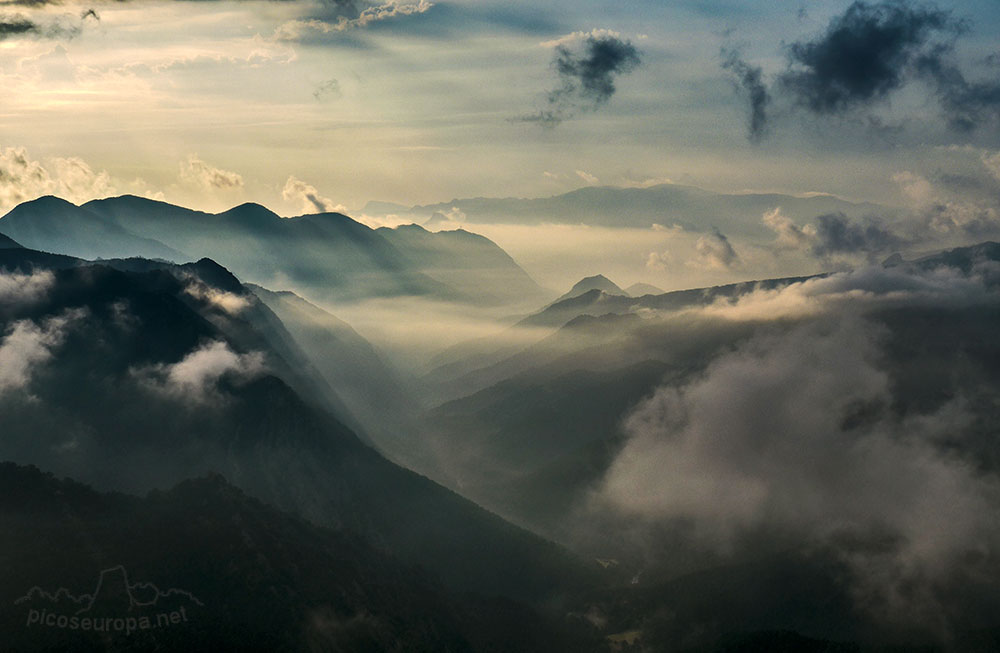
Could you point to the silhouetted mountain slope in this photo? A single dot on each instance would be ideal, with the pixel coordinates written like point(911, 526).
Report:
point(693, 208)
point(327, 255)
point(132, 380)
point(247, 576)
point(8, 243)
point(54, 225)
point(587, 284)
point(525, 445)
point(597, 302)
point(470, 263)
point(353, 368)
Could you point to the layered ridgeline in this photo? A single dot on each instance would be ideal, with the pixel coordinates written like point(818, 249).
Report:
point(833, 438)
point(133, 374)
point(328, 256)
point(664, 204)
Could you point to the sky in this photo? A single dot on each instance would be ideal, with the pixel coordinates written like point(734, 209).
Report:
point(329, 104)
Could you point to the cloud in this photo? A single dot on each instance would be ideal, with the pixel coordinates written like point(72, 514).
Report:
point(328, 89)
point(198, 174)
point(225, 301)
point(296, 190)
point(28, 344)
point(587, 78)
point(23, 179)
point(938, 208)
point(789, 234)
point(966, 104)
point(749, 80)
point(715, 252)
point(864, 55)
point(991, 160)
point(196, 377)
point(575, 37)
point(59, 27)
point(587, 177)
point(16, 26)
point(19, 289)
point(791, 434)
point(658, 261)
point(341, 16)
point(838, 234)
point(867, 288)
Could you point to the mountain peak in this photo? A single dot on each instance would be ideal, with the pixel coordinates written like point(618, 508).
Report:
point(251, 210)
point(45, 203)
point(596, 282)
point(640, 289)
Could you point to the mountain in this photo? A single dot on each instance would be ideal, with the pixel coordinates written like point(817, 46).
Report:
point(640, 289)
point(353, 368)
point(8, 243)
point(596, 282)
point(136, 378)
point(531, 435)
point(328, 256)
point(54, 225)
point(475, 266)
point(693, 208)
point(236, 573)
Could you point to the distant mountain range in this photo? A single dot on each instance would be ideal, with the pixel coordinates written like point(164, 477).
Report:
point(328, 255)
point(692, 208)
point(538, 409)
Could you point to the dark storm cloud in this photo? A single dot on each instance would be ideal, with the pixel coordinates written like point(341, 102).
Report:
point(966, 104)
point(16, 26)
point(751, 82)
point(837, 234)
point(587, 79)
point(864, 55)
point(592, 75)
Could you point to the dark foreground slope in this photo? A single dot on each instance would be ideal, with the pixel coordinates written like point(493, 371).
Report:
point(234, 573)
point(132, 380)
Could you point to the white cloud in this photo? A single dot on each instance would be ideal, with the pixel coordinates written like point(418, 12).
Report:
point(574, 37)
point(658, 261)
point(28, 344)
point(295, 30)
point(228, 302)
point(791, 433)
point(17, 288)
point(713, 251)
point(308, 196)
point(195, 378)
point(73, 179)
point(789, 234)
point(587, 177)
point(198, 174)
